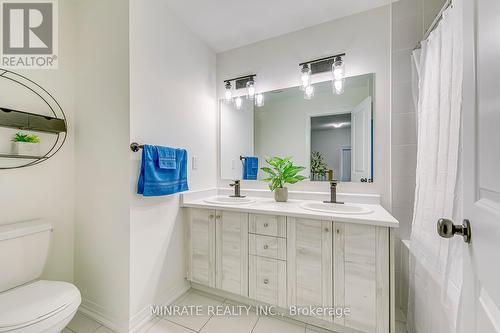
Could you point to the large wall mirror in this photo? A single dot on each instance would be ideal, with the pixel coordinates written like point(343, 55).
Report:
point(330, 134)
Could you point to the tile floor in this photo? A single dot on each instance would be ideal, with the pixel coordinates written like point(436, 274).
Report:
point(251, 323)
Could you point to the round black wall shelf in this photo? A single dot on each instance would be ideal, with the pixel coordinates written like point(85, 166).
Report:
point(54, 124)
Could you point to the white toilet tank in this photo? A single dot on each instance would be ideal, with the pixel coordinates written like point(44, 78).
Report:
point(23, 252)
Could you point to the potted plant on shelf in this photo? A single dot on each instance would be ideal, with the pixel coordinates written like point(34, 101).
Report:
point(25, 144)
point(281, 172)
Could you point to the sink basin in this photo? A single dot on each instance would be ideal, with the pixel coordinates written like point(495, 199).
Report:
point(222, 200)
point(336, 208)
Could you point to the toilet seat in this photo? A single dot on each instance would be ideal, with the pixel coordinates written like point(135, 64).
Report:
point(36, 302)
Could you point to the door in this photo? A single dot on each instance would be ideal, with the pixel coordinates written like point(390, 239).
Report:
point(309, 265)
point(481, 156)
point(361, 141)
point(232, 252)
point(201, 246)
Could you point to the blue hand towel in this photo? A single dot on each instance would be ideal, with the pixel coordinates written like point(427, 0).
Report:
point(163, 171)
point(250, 168)
point(166, 158)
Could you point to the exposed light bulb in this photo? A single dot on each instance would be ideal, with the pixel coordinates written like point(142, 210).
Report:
point(251, 89)
point(305, 77)
point(259, 100)
point(338, 87)
point(309, 92)
point(228, 94)
point(338, 69)
point(238, 102)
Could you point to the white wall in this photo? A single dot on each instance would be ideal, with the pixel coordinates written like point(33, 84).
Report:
point(172, 104)
point(364, 37)
point(46, 191)
point(102, 161)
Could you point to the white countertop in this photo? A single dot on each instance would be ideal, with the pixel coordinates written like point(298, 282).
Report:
point(265, 205)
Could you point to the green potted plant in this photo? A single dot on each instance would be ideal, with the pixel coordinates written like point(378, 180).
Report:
point(281, 171)
point(318, 165)
point(25, 144)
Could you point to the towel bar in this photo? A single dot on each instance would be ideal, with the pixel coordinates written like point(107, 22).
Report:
point(134, 146)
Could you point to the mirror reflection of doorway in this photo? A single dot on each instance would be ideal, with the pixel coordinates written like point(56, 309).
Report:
point(341, 143)
point(330, 137)
point(345, 164)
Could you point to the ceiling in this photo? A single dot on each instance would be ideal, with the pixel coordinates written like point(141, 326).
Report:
point(228, 24)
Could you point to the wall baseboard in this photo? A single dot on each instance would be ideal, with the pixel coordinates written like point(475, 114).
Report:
point(99, 314)
point(144, 318)
point(139, 322)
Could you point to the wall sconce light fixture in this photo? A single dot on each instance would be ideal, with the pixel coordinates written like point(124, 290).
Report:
point(333, 63)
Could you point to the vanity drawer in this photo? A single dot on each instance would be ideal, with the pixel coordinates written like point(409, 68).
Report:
point(267, 280)
point(269, 225)
point(267, 246)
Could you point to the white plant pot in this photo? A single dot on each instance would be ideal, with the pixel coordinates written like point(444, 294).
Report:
point(25, 148)
point(281, 194)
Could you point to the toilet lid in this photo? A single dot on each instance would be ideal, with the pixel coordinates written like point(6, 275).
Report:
point(36, 301)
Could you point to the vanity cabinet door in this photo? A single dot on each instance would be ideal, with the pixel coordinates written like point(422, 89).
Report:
point(232, 252)
point(309, 263)
point(361, 276)
point(201, 246)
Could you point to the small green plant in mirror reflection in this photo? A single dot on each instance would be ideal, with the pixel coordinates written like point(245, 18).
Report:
point(318, 164)
point(22, 137)
point(281, 171)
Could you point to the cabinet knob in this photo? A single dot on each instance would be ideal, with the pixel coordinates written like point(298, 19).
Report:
point(211, 216)
point(266, 225)
point(218, 217)
point(266, 247)
point(266, 281)
point(327, 230)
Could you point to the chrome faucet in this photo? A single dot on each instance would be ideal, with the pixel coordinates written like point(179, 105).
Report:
point(237, 189)
point(333, 193)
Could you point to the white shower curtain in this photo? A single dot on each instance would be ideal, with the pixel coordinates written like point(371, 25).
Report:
point(435, 263)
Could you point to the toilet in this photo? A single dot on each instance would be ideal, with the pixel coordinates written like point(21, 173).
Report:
point(27, 304)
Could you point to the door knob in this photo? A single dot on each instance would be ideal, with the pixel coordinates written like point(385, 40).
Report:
point(447, 229)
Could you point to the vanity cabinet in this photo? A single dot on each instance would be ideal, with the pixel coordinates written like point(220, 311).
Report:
point(218, 249)
point(361, 276)
point(231, 246)
point(201, 248)
point(310, 264)
point(269, 225)
point(289, 261)
point(267, 280)
point(267, 261)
